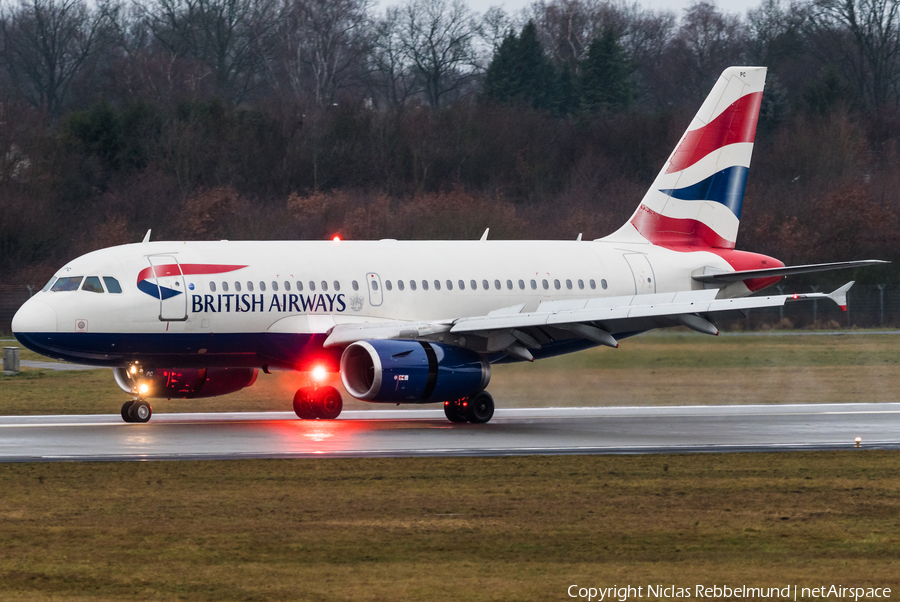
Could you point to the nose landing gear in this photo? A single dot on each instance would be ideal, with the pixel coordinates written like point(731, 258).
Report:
point(324, 403)
point(136, 410)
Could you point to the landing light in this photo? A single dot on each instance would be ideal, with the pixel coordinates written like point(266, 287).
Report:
point(133, 369)
point(318, 373)
point(143, 388)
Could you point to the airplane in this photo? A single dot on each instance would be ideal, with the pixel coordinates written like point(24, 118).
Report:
point(420, 321)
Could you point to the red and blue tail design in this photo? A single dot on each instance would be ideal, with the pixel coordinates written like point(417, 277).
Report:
point(696, 199)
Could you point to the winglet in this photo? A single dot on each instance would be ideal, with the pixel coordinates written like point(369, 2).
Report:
point(840, 295)
point(484, 236)
point(146, 237)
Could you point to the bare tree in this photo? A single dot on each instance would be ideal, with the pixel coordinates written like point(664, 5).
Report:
point(324, 42)
point(392, 70)
point(226, 35)
point(438, 38)
point(866, 33)
point(47, 43)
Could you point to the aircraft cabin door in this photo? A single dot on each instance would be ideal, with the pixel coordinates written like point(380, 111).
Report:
point(373, 282)
point(166, 273)
point(644, 280)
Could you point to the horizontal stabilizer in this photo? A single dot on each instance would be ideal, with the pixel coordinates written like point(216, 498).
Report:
point(785, 271)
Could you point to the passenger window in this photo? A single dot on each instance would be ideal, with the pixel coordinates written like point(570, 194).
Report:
point(473, 284)
point(424, 285)
point(312, 285)
point(337, 285)
point(521, 285)
point(287, 286)
point(374, 285)
point(449, 285)
point(387, 285)
point(324, 285)
point(70, 283)
point(581, 284)
point(237, 286)
point(299, 286)
point(437, 285)
point(354, 284)
point(545, 284)
point(274, 286)
point(593, 284)
point(262, 286)
point(533, 285)
point(212, 287)
point(569, 284)
point(497, 284)
point(112, 285)
point(603, 283)
point(412, 284)
point(92, 285)
point(462, 285)
point(485, 285)
point(225, 286)
point(400, 284)
point(556, 284)
point(249, 286)
point(509, 285)
point(48, 285)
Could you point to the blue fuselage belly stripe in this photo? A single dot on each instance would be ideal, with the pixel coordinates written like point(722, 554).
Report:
point(185, 350)
point(725, 187)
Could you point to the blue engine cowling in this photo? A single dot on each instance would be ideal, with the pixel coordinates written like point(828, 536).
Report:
point(187, 383)
point(412, 371)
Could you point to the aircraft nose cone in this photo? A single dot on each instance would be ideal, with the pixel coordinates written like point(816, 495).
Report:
point(34, 316)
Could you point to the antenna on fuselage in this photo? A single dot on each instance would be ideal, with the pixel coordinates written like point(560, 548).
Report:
point(579, 237)
point(147, 237)
point(484, 236)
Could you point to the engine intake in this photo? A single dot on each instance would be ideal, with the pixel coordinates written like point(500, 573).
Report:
point(412, 371)
point(187, 383)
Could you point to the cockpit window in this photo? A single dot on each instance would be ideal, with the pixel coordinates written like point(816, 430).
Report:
point(70, 283)
point(48, 285)
point(92, 285)
point(112, 285)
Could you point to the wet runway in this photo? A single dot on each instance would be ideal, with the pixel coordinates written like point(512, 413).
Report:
point(425, 432)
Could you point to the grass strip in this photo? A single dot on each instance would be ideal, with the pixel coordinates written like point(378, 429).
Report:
point(664, 369)
point(519, 528)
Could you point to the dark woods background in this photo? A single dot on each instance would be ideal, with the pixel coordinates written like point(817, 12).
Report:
point(301, 119)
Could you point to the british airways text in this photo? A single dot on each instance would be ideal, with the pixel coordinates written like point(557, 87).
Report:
point(285, 303)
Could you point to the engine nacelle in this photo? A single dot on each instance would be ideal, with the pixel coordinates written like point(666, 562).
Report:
point(412, 371)
point(186, 383)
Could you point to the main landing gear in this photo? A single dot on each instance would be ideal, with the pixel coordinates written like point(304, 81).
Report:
point(136, 410)
point(318, 402)
point(477, 409)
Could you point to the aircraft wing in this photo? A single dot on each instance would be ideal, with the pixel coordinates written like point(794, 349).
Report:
point(511, 331)
point(723, 276)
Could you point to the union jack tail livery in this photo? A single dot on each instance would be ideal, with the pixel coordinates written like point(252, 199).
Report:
point(695, 201)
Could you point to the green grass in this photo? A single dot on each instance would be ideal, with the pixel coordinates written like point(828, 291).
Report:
point(661, 369)
point(522, 528)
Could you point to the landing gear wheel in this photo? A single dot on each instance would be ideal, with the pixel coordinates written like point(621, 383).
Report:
point(481, 408)
point(303, 404)
point(327, 403)
point(126, 411)
point(140, 411)
point(454, 411)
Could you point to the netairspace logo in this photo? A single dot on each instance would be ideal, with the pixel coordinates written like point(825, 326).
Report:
point(663, 592)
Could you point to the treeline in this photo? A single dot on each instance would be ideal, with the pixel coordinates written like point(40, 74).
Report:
point(309, 118)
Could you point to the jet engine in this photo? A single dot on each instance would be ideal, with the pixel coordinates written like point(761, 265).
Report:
point(412, 371)
point(185, 383)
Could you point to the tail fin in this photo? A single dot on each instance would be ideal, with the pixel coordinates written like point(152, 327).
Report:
point(696, 199)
